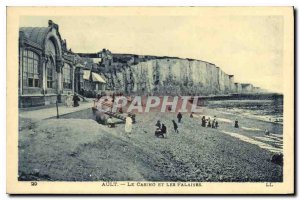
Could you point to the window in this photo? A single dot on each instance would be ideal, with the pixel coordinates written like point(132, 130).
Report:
point(67, 75)
point(81, 81)
point(30, 69)
point(50, 67)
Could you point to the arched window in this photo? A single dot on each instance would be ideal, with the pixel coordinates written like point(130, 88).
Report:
point(50, 68)
point(67, 76)
point(51, 64)
point(30, 69)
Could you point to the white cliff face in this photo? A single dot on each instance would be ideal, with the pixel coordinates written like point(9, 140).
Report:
point(172, 76)
point(238, 87)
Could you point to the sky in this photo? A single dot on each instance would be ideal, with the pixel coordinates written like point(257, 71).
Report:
point(248, 47)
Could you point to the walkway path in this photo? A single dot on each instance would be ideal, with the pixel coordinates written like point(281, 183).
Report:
point(46, 113)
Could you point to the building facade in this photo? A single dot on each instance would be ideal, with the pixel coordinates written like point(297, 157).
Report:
point(48, 71)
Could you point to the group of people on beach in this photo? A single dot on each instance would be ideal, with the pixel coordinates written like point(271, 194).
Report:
point(210, 124)
point(161, 129)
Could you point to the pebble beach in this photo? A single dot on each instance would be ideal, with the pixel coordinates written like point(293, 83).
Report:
point(76, 148)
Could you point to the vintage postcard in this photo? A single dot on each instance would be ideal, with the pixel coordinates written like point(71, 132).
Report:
point(150, 100)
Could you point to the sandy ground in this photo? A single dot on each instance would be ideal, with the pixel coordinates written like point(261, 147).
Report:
point(69, 149)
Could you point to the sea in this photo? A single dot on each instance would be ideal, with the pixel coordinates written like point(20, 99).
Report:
point(267, 109)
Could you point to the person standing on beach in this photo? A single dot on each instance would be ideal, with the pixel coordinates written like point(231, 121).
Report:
point(128, 124)
point(208, 122)
point(213, 123)
point(236, 124)
point(179, 117)
point(175, 126)
point(203, 124)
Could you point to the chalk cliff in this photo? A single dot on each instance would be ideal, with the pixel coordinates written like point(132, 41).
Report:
point(133, 74)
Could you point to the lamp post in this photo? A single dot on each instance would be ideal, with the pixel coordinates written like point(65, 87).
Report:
point(57, 114)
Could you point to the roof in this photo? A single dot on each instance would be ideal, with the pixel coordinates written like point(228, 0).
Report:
point(97, 78)
point(36, 34)
point(86, 74)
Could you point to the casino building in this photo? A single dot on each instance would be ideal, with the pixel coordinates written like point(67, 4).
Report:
point(48, 71)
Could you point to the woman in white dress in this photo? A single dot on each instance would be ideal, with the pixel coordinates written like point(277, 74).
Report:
point(128, 124)
point(69, 100)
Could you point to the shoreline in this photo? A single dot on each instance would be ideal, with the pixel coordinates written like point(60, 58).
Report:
point(250, 117)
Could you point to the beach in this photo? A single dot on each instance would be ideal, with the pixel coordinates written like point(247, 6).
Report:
point(76, 148)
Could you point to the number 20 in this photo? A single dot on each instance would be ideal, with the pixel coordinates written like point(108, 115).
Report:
point(34, 183)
